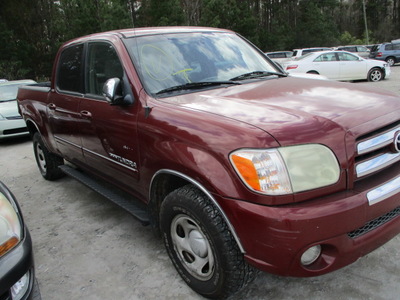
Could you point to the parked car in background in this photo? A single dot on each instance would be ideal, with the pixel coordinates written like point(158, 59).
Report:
point(300, 52)
point(280, 56)
point(357, 49)
point(389, 52)
point(339, 65)
point(17, 274)
point(369, 47)
point(11, 122)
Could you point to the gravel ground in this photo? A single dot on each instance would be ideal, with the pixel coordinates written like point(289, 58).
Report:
point(87, 248)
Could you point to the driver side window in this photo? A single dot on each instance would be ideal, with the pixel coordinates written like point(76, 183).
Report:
point(102, 64)
point(326, 57)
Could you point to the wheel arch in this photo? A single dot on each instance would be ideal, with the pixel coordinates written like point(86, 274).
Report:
point(32, 127)
point(391, 57)
point(165, 181)
point(380, 68)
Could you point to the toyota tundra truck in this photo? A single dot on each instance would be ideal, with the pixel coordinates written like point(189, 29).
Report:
point(236, 164)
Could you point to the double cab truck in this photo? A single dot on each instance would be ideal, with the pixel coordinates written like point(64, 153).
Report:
point(236, 164)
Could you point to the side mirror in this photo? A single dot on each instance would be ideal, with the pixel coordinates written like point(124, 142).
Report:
point(112, 90)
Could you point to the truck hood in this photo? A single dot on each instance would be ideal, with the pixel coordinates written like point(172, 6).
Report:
point(292, 104)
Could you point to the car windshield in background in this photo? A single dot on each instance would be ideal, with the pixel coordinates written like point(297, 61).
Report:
point(8, 92)
point(176, 62)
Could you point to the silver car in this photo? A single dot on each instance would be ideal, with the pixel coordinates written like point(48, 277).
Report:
point(11, 123)
point(356, 49)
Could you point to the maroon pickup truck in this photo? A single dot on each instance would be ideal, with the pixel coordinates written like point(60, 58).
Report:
point(238, 165)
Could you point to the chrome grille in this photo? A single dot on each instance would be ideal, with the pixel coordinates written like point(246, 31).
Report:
point(371, 225)
point(377, 151)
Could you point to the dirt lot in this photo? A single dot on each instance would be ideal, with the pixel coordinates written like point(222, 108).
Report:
point(87, 248)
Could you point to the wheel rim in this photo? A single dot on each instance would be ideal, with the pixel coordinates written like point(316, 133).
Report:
point(376, 75)
point(40, 158)
point(390, 61)
point(192, 247)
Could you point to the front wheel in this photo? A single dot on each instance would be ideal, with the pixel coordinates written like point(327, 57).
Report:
point(47, 162)
point(201, 246)
point(375, 74)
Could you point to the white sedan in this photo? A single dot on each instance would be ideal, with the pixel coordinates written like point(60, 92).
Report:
point(339, 65)
point(11, 122)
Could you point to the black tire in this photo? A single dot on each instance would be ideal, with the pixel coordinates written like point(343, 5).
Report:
point(375, 74)
point(36, 291)
point(201, 246)
point(47, 162)
point(391, 61)
point(313, 72)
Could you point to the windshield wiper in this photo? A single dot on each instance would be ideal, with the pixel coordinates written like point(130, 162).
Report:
point(256, 74)
point(195, 85)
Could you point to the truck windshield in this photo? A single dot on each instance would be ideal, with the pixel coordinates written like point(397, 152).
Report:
point(172, 62)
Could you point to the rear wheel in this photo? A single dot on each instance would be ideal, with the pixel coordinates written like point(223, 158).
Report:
point(391, 61)
point(313, 72)
point(201, 246)
point(47, 162)
point(375, 74)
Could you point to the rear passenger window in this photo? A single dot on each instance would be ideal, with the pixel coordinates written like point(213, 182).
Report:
point(69, 73)
point(389, 47)
point(326, 57)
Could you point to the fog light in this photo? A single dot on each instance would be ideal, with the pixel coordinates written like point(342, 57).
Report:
point(310, 255)
point(20, 288)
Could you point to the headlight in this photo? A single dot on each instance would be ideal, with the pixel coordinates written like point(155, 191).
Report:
point(286, 170)
point(10, 225)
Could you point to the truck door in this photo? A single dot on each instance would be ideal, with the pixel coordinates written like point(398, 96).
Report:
point(63, 106)
point(109, 137)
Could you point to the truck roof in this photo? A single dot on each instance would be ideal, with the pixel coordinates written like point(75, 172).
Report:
point(133, 32)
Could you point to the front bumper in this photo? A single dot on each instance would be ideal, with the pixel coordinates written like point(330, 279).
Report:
point(14, 265)
point(13, 128)
point(345, 225)
point(387, 71)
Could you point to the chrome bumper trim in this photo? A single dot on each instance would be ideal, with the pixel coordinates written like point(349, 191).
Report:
point(376, 163)
point(384, 191)
point(377, 142)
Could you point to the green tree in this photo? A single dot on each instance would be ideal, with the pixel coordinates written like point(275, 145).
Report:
point(230, 14)
point(316, 26)
point(161, 13)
